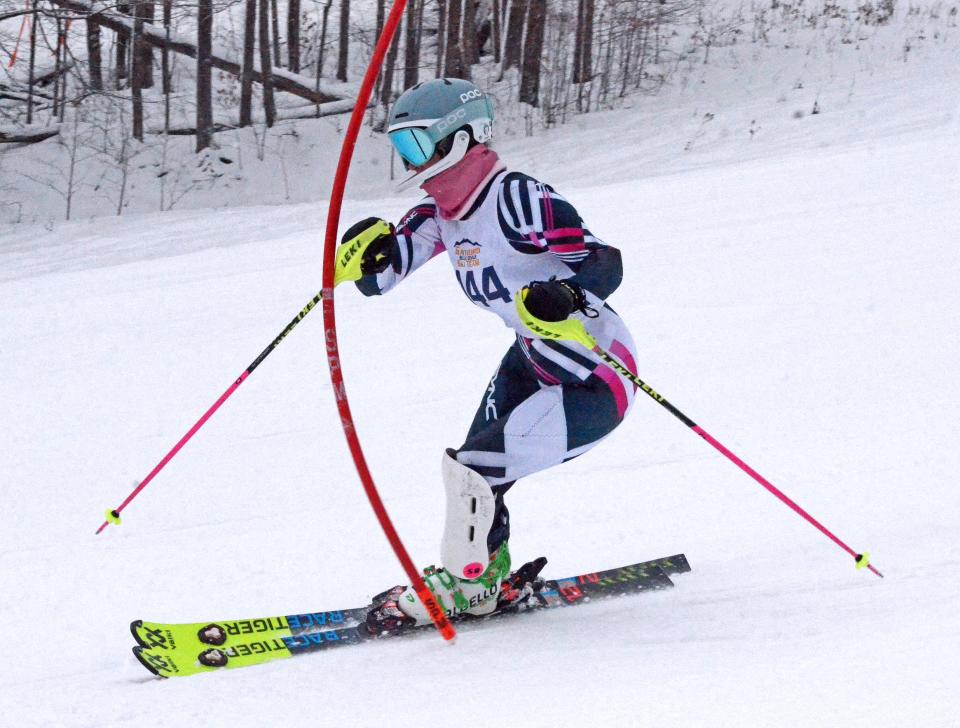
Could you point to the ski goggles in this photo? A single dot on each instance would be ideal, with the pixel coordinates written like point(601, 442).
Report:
point(414, 145)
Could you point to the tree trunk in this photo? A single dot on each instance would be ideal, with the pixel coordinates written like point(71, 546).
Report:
point(275, 32)
point(323, 47)
point(123, 44)
point(514, 41)
point(165, 69)
point(344, 40)
point(468, 38)
point(144, 12)
point(293, 35)
point(204, 75)
point(136, 78)
point(31, 67)
point(441, 34)
point(411, 59)
point(94, 59)
point(165, 53)
point(453, 64)
point(583, 66)
point(495, 30)
point(246, 75)
point(386, 88)
point(578, 43)
point(532, 50)
point(381, 19)
point(266, 67)
point(56, 69)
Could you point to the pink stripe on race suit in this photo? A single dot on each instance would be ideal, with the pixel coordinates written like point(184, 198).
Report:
point(564, 233)
point(543, 374)
point(615, 382)
point(548, 208)
point(623, 354)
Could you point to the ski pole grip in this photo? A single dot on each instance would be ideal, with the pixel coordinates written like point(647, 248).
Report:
point(568, 329)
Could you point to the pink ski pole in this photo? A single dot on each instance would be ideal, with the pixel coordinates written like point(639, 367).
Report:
point(862, 559)
point(113, 515)
point(573, 330)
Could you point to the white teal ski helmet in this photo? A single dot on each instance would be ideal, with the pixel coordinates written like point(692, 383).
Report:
point(444, 115)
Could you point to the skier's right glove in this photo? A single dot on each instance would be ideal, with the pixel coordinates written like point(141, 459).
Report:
point(365, 249)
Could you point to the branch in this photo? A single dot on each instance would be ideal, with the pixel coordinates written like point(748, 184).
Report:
point(155, 36)
point(27, 135)
point(306, 112)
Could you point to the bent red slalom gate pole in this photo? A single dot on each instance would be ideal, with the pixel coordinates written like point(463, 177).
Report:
point(330, 326)
point(862, 559)
point(113, 516)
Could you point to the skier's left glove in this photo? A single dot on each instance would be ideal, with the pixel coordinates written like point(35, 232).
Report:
point(555, 300)
point(365, 249)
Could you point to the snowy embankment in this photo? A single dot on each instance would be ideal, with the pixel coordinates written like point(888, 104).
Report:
point(795, 292)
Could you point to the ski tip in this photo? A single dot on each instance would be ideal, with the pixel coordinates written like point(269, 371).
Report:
point(138, 653)
point(135, 626)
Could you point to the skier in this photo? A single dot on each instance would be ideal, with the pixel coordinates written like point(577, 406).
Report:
point(508, 237)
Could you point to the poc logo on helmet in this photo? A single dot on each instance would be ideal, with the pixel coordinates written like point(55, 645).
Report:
point(468, 95)
point(451, 118)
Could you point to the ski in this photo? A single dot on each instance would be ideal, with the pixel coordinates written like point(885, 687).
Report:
point(179, 650)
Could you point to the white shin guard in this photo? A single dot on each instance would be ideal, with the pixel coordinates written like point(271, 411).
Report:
point(470, 509)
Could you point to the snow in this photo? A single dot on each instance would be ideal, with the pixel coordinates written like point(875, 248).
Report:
point(793, 291)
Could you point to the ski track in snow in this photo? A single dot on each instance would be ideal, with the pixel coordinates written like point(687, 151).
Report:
point(795, 294)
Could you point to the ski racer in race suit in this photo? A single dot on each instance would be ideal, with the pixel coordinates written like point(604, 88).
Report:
point(505, 235)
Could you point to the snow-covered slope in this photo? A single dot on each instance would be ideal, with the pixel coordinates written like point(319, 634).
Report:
point(795, 293)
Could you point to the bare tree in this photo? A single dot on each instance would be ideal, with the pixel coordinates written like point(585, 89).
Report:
point(322, 48)
point(165, 54)
point(532, 53)
point(144, 13)
point(31, 67)
point(293, 35)
point(266, 68)
point(453, 63)
point(204, 75)
point(583, 42)
point(411, 53)
point(123, 50)
point(275, 32)
point(495, 30)
point(94, 60)
point(246, 74)
point(468, 35)
point(381, 17)
point(386, 88)
point(344, 40)
point(441, 34)
point(514, 40)
point(136, 78)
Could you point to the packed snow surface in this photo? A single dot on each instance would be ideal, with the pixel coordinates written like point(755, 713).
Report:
point(793, 290)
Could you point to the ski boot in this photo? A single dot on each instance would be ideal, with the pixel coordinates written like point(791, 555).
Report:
point(399, 608)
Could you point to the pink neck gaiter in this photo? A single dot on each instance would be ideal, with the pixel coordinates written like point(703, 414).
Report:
point(456, 189)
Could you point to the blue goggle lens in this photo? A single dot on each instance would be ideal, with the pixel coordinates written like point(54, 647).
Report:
point(414, 145)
